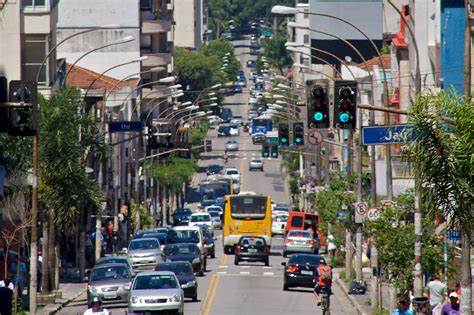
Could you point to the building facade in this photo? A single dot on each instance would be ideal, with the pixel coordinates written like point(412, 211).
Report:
point(191, 17)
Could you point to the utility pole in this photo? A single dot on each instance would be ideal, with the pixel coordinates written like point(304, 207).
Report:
point(358, 260)
point(116, 195)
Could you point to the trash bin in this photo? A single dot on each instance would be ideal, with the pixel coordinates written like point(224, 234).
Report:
point(421, 304)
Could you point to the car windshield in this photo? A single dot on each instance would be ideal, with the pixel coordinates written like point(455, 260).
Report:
point(232, 172)
point(105, 273)
point(111, 260)
point(155, 282)
point(172, 250)
point(183, 211)
point(214, 214)
point(179, 269)
point(161, 237)
point(304, 259)
point(257, 161)
point(281, 218)
point(201, 218)
point(144, 244)
point(306, 234)
point(183, 236)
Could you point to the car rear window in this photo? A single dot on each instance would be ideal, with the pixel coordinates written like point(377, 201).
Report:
point(299, 234)
point(253, 241)
point(297, 221)
point(304, 259)
point(144, 244)
point(181, 250)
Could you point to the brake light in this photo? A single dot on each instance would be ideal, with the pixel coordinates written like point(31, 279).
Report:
point(310, 242)
point(292, 268)
point(289, 240)
point(237, 248)
point(266, 249)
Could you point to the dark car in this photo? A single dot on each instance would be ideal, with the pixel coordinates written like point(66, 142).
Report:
point(185, 252)
point(300, 269)
point(246, 127)
point(223, 131)
point(181, 216)
point(251, 64)
point(213, 169)
point(258, 138)
point(184, 272)
point(209, 243)
point(252, 248)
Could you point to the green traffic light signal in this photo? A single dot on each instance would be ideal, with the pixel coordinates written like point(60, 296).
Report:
point(344, 117)
point(318, 116)
point(274, 154)
point(298, 140)
point(283, 140)
point(265, 154)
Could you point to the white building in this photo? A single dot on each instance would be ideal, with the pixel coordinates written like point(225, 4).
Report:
point(191, 17)
point(27, 33)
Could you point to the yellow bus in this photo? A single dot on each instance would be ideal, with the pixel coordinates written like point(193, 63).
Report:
point(246, 214)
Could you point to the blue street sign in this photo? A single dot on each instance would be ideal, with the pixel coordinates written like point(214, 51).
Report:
point(124, 126)
point(454, 235)
point(387, 134)
point(341, 215)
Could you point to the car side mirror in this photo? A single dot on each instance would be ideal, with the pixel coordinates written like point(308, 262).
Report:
point(283, 263)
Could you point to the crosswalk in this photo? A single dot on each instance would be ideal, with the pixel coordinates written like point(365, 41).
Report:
point(251, 271)
point(243, 156)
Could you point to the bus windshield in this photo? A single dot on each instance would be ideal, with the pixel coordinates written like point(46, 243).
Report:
point(248, 207)
point(211, 191)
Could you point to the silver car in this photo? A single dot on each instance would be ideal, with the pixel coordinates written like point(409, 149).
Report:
point(156, 291)
point(300, 241)
point(232, 145)
point(144, 253)
point(110, 282)
point(256, 164)
point(216, 219)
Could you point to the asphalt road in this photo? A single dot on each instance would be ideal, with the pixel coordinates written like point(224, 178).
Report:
point(250, 288)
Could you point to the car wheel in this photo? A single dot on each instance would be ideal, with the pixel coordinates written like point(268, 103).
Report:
point(213, 254)
point(286, 287)
point(236, 262)
point(284, 254)
point(195, 298)
point(267, 262)
point(200, 273)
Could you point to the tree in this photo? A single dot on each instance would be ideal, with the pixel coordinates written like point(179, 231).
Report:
point(276, 53)
point(221, 49)
point(443, 153)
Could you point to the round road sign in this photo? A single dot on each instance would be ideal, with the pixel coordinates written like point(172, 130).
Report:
point(373, 214)
point(361, 208)
point(315, 137)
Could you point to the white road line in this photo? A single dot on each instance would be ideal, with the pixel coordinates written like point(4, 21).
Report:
point(223, 266)
point(268, 274)
point(267, 267)
point(244, 158)
point(244, 266)
point(222, 272)
point(244, 273)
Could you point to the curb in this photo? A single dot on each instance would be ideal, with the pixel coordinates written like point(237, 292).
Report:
point(360, 310)
point(63, 304)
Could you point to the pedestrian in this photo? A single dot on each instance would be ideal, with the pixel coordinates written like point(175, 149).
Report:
point(89, 248)
point(331, 245)
point(402, 308)
point(18, 270)
point(451, 308)
point(6, 299)
point(40, 270)
point(436, 294)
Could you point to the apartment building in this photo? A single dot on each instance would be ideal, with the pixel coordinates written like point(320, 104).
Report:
point(191, 17)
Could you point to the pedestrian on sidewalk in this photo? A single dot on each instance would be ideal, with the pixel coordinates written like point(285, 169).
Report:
point(451, 308)
point(6, 298)
point(18, 270)
point(402, 308)
point(436, 294)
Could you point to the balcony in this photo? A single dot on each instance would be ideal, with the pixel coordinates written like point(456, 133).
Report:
point(156, 23)
point(157, 59)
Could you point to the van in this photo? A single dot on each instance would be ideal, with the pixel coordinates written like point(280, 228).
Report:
point(304, 221)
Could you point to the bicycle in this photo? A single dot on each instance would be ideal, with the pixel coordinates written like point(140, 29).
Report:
point(325, 295)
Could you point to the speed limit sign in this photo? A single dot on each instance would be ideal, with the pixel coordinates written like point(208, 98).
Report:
point(373, 214)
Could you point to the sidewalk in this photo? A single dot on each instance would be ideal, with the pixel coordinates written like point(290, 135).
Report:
point(70, 291)
point(360, 301)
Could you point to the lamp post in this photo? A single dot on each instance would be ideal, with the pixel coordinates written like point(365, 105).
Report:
point(118, 42)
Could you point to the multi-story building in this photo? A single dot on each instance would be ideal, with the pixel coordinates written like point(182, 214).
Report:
point(27, 33)
point(191, 17)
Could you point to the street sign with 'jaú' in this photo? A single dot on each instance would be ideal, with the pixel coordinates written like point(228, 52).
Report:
point(387, 134)
point(124, 126)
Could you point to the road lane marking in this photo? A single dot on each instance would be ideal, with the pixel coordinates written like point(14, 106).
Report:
point(223, 266)
point(267, 267)
point(213, 294)
point(268, 274)
point(244, 273)
point(206, 297)
point(244, 266)
point(222, 272)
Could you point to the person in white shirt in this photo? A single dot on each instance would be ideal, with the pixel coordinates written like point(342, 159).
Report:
point(96, 308)
point(436, 293)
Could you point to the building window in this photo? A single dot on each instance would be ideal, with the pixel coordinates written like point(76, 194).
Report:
point(305, 15)
point(306, 38)
point(145, 42)
point(35, 48)
point(33, 3)
point(145, 5)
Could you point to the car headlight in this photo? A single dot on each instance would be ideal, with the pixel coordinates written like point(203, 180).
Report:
point(196, 260)
point(175, 298)
point(134, 299)
point(92, 289)
point(191, 283)
point(127, 286)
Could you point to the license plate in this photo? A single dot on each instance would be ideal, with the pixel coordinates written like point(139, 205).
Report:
point(110, 295)
point(307, 272)
point(252, 250)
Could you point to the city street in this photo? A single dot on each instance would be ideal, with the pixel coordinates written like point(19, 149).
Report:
point(250, 288)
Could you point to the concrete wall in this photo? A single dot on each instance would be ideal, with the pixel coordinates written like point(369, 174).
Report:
point(187, 15)
point(391, 19)
point(75, 16)
point(10, 44)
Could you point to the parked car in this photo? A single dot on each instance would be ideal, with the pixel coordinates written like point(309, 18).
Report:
point(144, 253)
point(213, 169)
point(300, 241)
point(256, 164)
point(210, 246)
point(300, 269)
point(181, 216)
point(110, 282)
point(201, 219)
point(232, 145)
point(184, 272)
point(156, 291)
point(186, 252)
point(252, 248)
point(115, 260)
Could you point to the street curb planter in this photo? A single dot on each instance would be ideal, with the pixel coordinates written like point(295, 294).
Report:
point(357, 307)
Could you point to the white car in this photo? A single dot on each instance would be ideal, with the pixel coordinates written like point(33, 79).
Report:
point(234, 130)
point(233, 172)
point(279, 224)
point(256, 164)
point(202, 219)
point(214, 208)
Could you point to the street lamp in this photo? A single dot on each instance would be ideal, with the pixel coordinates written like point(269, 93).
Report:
point(293, 49)
point(152, 70)
point(123, 40)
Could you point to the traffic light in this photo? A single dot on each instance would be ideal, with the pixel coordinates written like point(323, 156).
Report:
point(152, 142)
point(283, 134)
point(274, 150)
point(298, 133)
point(23, 118)
point(318, 106)
point(345, 104)
point(265, 150)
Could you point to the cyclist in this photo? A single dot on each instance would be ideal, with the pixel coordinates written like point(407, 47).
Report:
point(96, 308)
point(322, 280)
